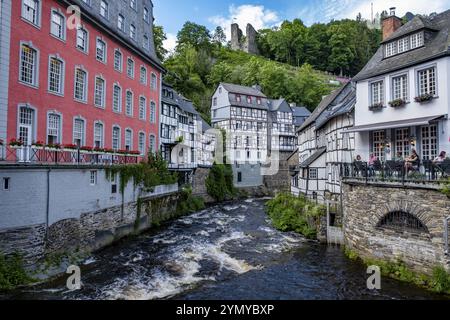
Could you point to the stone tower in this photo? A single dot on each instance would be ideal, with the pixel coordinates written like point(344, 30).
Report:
point(247, 44)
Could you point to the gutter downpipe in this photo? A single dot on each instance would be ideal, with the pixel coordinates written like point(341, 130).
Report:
point(47, 216)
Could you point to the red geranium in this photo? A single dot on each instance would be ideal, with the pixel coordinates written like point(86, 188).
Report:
point(70, 146)
point(86, 148)
point(15, 143)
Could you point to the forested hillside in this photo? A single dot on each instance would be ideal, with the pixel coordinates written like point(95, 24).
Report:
point(293, 64)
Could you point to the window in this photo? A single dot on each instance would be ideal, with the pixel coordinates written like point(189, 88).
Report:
point(429, 142)
point(146, 43)
point(249, 99)
point(78, 132)
point(118, 61)
point(378, 145)
point(28, 65)
point(101, 51)
point(31, 11)
point(239, 177)
point(215, 102)
point(56, 76)
point(116, 138)
point(313, 173)
point(121, 23)
point(26, 125)
point(238, 98)
point(130, 68)
point(58, 25)
point(99, 94)
point(132, 32)
point(417, 40)
point(98, 135)
point(117, 98)
point(152, 112)
point(80, 85)
point(400, 220)
point(427, 81)
point(152, 145)
point(143, 76)
point(146, 15)
point(129, 103)
point(258, 101)
point(402, 142)
point(400, 88)
point(104, 9)
point(133, 4)
point(93, 178)
point(403, 45)
point(391, 49)
point(113, 184)
point(128, 140)
point(53, 129)
point(141, 143)
point(154, 82)
point(377, 90)
point(82, 39)
point(142, 108)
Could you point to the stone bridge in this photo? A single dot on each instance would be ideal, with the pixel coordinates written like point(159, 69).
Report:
point(388, 221)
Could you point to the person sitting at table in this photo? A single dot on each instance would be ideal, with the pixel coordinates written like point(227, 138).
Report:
point(371, 164)
point(399, 157)
point(412, 162)
point(358, 158)
point(441, 158)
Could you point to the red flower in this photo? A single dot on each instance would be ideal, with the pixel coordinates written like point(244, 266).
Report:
point(70, 146)
point(86, 148)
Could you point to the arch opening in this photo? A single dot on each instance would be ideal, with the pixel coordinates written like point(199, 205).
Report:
point(402, 221)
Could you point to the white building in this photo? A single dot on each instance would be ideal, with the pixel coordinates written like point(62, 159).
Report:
point(281, 126)
point(403, 91)
point(325, 146)
point(180, 132)
point(208, 144)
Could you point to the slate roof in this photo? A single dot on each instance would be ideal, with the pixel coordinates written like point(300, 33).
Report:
point(187, 106)
point(205, 126)
point(279, 105)
point(301, 112)
point(437, 44)
point(343, 107)
point(321, 108)
point(316, 155)
point(249, 91)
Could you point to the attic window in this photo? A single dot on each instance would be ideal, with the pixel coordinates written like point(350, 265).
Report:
point(238, 98)
point(249, 99)
point(258, 101)
point(404, 44)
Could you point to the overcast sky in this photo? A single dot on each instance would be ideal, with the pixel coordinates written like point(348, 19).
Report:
point(268, 13)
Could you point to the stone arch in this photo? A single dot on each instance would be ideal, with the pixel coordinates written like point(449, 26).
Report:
point(415, 209)
point(403, 221)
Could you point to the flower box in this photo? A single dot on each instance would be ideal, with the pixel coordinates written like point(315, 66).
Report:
point(397, 103)
point(376, 107)
point(70, 147)
point(86, 149)
point(424, 98)
point(15, 144)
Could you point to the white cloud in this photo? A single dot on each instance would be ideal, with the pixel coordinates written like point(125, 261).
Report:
point(170, 43)
point(326, 10)
point(256, 15)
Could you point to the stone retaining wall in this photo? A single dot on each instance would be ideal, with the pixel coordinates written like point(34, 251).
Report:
point(366, 205)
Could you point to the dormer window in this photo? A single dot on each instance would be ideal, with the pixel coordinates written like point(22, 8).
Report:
point(258, 101)
point(404, 44)
point(249, 99)
point(238, 98)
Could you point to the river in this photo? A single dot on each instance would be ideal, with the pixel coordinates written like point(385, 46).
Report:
point(228, 251)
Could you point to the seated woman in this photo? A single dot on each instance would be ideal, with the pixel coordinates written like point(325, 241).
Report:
point(371, 164)
point(441, 158)
point(412, 162)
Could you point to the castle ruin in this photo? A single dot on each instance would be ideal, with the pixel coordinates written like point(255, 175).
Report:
point(248, 43)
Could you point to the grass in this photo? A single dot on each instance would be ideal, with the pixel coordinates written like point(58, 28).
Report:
point(12, 272)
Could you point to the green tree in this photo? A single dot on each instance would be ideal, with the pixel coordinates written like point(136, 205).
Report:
point(219, 36)
point(195, 35)
point(159, 38)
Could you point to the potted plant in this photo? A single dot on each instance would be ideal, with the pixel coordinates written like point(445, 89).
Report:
point(397, 103)
point(376, 106)
point(53, 147)
point(99, 150)
point(70, 147)
point(424, 98)
point(16, 144)
point(86, 149)
point(109, 150)
point(180, 139)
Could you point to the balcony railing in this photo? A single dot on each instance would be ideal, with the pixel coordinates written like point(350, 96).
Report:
point(43, 156)
point(397, 171)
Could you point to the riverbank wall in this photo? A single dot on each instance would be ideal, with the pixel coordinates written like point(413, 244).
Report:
point(53, 211)
point(392, 222)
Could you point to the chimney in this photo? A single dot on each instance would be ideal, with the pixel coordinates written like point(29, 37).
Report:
point(391, 23)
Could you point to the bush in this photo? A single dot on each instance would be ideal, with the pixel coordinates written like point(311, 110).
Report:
point(440, 281)
point(12, 272)
point(289, 213)
point(219, 183)
point(189, 203)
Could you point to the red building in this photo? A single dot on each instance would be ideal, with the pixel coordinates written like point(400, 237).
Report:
point(94, 86)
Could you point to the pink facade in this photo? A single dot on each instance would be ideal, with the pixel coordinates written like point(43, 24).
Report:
point(42, 102)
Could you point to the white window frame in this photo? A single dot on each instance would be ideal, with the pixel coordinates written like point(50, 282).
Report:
point(152, 111)
point(141, 143)
point(85, 87)
point(62, 75)
point(380, 153)
point(103, 59)
point(145, 79)
point(117, 105)
point(131, 71)
point(86, 32)
point(152, 146)
point(31, 127)
point(38, 14)
point(142, 108)
point(102, 134)
point(83, 132)
point(103, 105)
point(381, 98)
point(128, 131)
point(119, 142)
point(129, 108)
point(35, 74)
point(120, 69)
point(59, 13)
point(154, 81)
point(104, 11)
point(418, 84)
point(59, 129)
point(404, 87)
point(93, 178)
point(426, 140)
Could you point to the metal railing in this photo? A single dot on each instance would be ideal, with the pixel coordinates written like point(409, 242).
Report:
point(41, 155)
point(397, 171)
